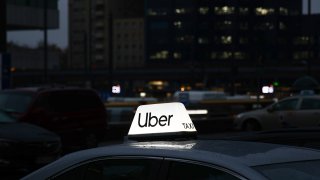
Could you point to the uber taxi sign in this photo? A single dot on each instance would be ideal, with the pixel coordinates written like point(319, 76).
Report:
point(158, 120)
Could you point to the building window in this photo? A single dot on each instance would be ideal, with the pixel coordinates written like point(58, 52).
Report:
point(303, 55)
point(223, 40)
point(226, 39)
point(244, 25)
point(225, 10)
point(243, 10)
point(214, 55)
point(221, 55)
point(204, 10)
point(159, 25)
point(226, 55)
point(282, 41)
point(240, 55)
point(283, 11)
point(177, 55)
point(160, 55)
point(203, 40)
point(282, 26)
point(185, 39)
point(243, 40)
point(157, 12)
point(260, 11)
point(182, 11)
point(264, 26)
point(177, 24)
point(303, 40)
point(223, 25)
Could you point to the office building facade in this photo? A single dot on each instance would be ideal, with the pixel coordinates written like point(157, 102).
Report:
point(225, 43)
point(90, 22)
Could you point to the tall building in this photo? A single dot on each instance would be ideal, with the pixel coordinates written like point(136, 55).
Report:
point(90, 38)
point(228, 42)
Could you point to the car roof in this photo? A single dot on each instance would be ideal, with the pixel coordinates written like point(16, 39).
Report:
point(234, 155)
point(248, 153)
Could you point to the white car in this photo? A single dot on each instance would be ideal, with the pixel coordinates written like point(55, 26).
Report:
point(291, 112)
point(179, 155)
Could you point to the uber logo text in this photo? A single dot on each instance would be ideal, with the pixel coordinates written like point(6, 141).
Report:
point(188, 125)
point(152, 121)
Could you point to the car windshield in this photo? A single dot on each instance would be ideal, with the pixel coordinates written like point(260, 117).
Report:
point(294, 171)
point(6, 118)
point(15, 102)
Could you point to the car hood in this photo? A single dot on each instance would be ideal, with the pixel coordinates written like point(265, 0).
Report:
point(26, 132)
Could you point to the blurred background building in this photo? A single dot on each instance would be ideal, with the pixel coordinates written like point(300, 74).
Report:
point(90, 24)
point(236, 46)
point(233, 44)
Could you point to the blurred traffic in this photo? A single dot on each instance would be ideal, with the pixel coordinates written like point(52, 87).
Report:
point(77, 118)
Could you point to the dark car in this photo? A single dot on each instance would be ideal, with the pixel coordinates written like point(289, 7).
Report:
point(76, 114)
point(163, 145)
point(25, 146)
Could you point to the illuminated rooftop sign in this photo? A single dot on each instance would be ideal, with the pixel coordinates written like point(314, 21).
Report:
point(161, 120)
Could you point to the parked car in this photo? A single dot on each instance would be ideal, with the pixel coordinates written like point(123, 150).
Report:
point(291, 112)
point(163, 145)
point(76, 114)
point(25, 146)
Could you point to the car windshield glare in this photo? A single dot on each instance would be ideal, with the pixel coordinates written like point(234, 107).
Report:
point(293, 171)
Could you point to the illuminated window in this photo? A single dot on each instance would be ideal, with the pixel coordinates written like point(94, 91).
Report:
point(226, 55)
point(225, 10)
point(283, 11)
point(182, 11)
point(226, 39)
point(243, 10)
point(240, 55)
point(177, 55)
point(203, 10)
point(160, 55)
point(260, 11)
point(177, 24)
